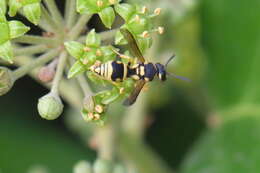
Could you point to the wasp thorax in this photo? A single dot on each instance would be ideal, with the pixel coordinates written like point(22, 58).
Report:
point(161, 72)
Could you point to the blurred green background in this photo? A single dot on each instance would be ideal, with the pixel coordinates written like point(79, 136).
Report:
point(209, 125)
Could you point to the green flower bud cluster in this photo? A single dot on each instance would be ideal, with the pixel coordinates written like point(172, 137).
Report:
point(31, 9)
point(99, 166)
point(139, 22)
point(101, 7)
point(86, 55)
point(6, 80)
point(9, 30)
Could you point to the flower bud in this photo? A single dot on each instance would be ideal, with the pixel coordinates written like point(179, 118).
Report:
point(103, 166)
point(88, 103)
point(50, 106)
point(6, 80)
point(82, 167)
point(46, 74)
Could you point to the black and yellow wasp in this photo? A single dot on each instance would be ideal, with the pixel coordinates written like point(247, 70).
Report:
point(142, 71)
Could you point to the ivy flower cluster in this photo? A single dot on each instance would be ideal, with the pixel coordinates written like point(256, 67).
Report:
point(59, 44)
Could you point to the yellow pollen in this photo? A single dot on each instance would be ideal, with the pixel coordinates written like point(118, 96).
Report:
point(87, 49)
point(111, 2)
point(144, 10)
point(97, 116)
point(98, 53)
point(91, 115)
point(160, 30)
point(145, 34)
point(99, 3)
point(85, 61)
point(157, 11)
point(121, 90)
point(99, 108)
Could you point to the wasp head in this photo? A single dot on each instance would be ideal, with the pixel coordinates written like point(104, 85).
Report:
point(161, 72)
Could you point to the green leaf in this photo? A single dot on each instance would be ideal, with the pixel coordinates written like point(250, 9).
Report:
point(33, 12)
point(17, 29)
point(14, 6)
point(87, 6)
point(139, 24)
point(233, 147)
point(233, 54)
point(107, 16)
point(27, 2)
point(75, 49)
point(4, 32)
point(144, 43)
point(6, 51)
point(3, 6)
point(93, 39)
point(126, 11)
point(76, 69)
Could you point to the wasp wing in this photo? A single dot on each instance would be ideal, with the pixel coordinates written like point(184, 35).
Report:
point(134, 49)
point(132, 98)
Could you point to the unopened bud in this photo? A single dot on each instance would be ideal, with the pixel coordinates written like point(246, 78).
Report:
point(46, 74)
point(121, 90)
point(6, 80)
point(103, 166)
point(88, 103)
point(82, 167)
point(50, 106)
point(137, 18)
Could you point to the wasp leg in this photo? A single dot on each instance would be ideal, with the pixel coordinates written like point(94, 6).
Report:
point(131, 60)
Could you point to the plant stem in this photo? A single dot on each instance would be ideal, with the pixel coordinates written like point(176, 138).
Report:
point(70, 13)
point(67, 90)
point(56, 15)
point(77, 29)
point(20, 72)
point(31, 50)
point(31, 39)
point(141, 155)
point(59, 72)
point(107, 35)
point(106, 140)
point(52, 25)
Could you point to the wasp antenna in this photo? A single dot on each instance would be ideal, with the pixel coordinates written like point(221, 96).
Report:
point(169, 60)
point(179, 77)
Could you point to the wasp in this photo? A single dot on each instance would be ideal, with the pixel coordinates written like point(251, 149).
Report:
point(142, 71)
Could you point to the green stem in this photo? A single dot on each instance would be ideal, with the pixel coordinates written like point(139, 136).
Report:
point(31, 50)
point(68, 90)
point(20, 72)
point(31, 39)
point(70, 13)
point(141, 155)
point(107, 35)
point(106, 141)
point(59, 72)
point(56, 15)
point(52, 26)
point(77, 29)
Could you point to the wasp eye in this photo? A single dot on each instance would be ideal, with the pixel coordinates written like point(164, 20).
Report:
point(161, 71)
